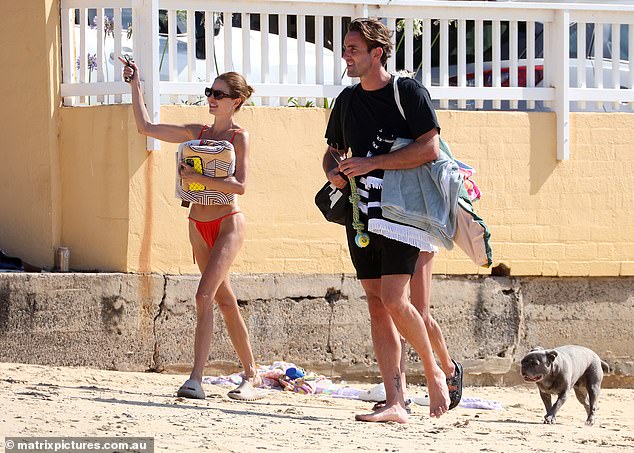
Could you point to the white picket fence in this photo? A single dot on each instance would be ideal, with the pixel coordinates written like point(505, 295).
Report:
point(470, 55)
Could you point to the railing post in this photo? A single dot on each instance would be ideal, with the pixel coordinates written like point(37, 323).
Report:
point(68, 46)
point(361, 10)
point(560, 62)
point(145, 35)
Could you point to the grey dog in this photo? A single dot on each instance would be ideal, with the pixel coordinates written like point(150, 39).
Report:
point(557, 371)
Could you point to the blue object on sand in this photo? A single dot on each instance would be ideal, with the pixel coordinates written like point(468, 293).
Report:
point(294, 373)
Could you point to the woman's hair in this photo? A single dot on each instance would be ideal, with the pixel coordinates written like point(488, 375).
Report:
point(238, 86)
point(375, 34)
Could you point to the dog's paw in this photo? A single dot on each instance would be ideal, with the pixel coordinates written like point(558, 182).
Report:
point(549, 419)
point(590, 421)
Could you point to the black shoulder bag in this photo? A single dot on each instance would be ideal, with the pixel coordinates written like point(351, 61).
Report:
point(331, 201)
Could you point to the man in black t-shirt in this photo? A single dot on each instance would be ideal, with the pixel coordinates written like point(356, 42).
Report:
point(366, 120)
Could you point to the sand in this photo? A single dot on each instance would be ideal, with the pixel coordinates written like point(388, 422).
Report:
point(60, 401)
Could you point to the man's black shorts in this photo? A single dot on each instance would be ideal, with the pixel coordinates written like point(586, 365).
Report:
point(383, 256)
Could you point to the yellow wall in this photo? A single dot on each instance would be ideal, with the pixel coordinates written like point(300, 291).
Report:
point(81, 177)
point(568, 218)
point(30, 204)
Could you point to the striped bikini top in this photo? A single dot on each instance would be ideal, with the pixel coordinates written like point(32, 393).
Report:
point(214, 158)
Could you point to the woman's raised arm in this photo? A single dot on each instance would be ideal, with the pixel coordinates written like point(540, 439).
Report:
point(173, 133)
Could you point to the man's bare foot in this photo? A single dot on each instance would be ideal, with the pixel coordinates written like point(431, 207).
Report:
point(394, 413)
point(438, 393)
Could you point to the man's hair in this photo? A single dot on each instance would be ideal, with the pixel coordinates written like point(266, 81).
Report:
point(375, 34)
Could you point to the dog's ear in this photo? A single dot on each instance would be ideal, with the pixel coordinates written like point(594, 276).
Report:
point(551, 356)
point(536, 348)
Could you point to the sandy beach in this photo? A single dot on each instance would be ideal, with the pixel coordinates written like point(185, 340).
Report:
point(61, 401)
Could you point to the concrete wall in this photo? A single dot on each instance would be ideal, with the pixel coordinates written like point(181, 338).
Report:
point(131, 321)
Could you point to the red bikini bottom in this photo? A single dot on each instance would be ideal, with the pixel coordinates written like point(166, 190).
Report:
point(209, 230)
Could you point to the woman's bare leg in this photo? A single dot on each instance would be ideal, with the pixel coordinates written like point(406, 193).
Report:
point(214, 271)
point(237, 329)
point(420, 296)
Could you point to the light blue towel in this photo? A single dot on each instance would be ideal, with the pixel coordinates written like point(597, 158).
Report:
point(425, 197)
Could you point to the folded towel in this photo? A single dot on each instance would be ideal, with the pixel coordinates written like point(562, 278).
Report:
point(424, 197)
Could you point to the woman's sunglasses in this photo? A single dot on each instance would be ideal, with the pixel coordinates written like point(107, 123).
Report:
point(218, 94)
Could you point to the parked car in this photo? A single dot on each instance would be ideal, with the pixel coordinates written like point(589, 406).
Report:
point(200, 65)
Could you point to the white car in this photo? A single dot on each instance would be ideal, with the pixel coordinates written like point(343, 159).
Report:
point(253, 75)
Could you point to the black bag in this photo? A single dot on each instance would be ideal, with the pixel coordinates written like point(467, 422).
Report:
point(333, 203)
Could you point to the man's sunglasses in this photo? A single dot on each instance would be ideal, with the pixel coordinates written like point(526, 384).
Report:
point(218, 94)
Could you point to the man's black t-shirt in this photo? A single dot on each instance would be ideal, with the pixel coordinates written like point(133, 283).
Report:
point(368, 122)
point(372, 120)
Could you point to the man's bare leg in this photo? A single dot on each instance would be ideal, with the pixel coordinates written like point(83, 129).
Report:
point(411, 326)
point(386, 342)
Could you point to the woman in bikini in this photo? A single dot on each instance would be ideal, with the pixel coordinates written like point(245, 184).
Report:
point(216, 231)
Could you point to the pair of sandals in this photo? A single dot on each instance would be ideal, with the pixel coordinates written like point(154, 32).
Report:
point(244, 392)
point(454, 384)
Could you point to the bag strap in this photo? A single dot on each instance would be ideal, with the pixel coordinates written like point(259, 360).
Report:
point(345, 104)
point(397, 97)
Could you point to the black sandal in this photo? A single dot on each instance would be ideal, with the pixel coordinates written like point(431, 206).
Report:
point(455, 385)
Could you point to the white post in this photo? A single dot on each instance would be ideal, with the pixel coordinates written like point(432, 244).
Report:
point(246, 45)
point(227, 17)
point(616, 61)
point(409, 44)
point(513, 67)
point(560, 62)
point(264, 58)
point(581, 60)
point(496, 66)
point(210, 53)
point(68, 63)
point(283, 49)
point(99, 56)
point(479, 59)
point(630, 56)
point(530, 60)
point(319, 55)
point(191, 48)
point(462, 59)
point(146, 45)
point(336, 49)
point(444, 59)
point(391, 62)
point(301, 53)
point(116, 17)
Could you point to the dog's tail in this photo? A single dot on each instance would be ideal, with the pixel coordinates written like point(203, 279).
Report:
point(605, 366)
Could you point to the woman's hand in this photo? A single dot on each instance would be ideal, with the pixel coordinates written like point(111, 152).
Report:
point(187, 173)
point(129, 69)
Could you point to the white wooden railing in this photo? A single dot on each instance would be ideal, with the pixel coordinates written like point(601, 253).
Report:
point(470, 55)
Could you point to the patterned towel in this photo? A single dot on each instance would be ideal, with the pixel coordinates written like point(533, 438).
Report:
point(214, 158)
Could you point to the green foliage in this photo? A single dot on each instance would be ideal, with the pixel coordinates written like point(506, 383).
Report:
point(294, 102)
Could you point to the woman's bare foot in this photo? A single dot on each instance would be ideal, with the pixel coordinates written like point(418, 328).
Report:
point(255, 380)
point(438, 393)
point(394, 413)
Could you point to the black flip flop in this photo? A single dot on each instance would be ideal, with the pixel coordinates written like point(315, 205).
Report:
point(455, 385)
